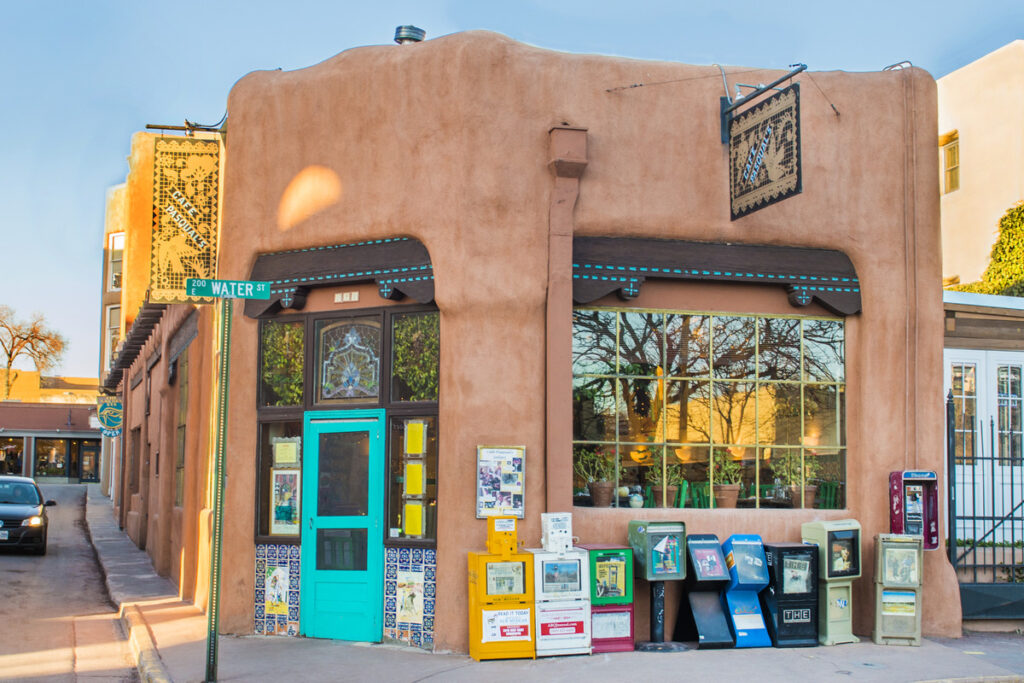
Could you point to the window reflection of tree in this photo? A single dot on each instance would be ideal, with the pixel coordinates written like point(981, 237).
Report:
point(697, 378)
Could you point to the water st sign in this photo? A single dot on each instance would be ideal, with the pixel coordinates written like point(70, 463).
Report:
point(227, 289)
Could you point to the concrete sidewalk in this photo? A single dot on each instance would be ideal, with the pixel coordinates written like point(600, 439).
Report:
point(169, 639)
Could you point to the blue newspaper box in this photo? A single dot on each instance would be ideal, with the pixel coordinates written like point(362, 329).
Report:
point(748, 572)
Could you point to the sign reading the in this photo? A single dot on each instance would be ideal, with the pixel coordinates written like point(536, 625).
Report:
point(764, 153)
point(186, 203)
point(110, 413)
point(227, 289)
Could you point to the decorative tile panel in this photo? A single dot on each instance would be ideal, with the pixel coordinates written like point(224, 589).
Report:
point(409, 588)
point(276, 594)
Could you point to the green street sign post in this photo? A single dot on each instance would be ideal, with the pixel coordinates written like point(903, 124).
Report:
point(227, 289)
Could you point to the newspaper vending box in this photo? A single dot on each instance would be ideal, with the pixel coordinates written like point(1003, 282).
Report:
point(501, 596)
point(838, 544)
point(701, 618)
point(561, 590)
point(611, 597)
point(898, 578)
point(790, 600)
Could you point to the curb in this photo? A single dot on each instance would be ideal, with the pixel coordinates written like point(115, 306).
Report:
point(151, 667)
point(147, 658)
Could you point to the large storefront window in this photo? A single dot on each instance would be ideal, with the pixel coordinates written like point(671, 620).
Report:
point(674, 405)
point(51, 458)
point(12, 450)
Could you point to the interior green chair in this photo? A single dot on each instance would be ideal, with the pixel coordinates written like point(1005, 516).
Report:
point(828, 495)
point(681, 495)
point(700, 493)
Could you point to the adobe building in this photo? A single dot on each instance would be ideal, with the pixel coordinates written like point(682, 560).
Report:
point(52, 442)
point(474, 243)
point(980, 149)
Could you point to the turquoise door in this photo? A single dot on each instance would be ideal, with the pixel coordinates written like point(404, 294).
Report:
point(342, 589)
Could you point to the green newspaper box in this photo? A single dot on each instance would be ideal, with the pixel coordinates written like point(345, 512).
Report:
point(660, 548)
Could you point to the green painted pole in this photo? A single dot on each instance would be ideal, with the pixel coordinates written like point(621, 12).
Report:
point(223, 373)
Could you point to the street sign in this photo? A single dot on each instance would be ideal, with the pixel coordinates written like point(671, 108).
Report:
point(227, 289)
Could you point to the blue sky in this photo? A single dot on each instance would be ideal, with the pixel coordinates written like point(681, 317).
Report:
point(82, 75)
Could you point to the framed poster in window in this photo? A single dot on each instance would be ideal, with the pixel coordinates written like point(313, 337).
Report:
point(500, 481)
point(284, 502)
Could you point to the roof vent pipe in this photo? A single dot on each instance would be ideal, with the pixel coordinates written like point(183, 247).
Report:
point(408, 34)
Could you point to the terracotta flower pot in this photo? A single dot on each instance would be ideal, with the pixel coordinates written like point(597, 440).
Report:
point(726, 495)
point(810, 493)
point(601, 493)
point(670, 495)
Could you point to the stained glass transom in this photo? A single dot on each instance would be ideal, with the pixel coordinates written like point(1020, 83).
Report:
point(348, 360)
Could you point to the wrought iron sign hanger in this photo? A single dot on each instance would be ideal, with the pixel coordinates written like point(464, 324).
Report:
point(728, 106)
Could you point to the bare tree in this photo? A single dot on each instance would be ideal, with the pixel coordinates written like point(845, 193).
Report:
point(27, 339)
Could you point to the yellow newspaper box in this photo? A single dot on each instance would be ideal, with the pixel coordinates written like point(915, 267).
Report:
point(501, 596)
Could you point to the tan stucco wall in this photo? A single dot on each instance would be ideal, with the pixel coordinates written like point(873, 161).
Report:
point(982, 102)
point(447, 141)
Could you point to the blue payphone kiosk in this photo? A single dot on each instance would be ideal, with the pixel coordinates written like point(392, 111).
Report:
point(748, 572)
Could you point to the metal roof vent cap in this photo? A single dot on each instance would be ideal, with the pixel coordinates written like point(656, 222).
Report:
point(409, 34)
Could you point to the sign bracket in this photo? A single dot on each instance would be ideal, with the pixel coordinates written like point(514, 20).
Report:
point(728, 106)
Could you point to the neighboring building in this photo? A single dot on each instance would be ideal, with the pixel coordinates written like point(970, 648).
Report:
point(473, 242)
point(984, 377)
point(29, 386)
point(48, 441)
point(981, 156)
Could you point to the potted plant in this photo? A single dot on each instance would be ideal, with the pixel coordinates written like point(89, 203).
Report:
point(728, 475)
point(597, 470)
point(786, 468)
point(667, 485)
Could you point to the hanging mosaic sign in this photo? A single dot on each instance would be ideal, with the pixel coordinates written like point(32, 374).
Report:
point(764, 153)
point(186, 201)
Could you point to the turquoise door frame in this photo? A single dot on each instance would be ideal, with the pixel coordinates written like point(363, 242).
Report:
point(342, 581)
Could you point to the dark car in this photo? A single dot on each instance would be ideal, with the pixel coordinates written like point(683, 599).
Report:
point(23, 518)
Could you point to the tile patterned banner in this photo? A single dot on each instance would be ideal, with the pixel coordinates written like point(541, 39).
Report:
point(186, 202)
point(764, 153)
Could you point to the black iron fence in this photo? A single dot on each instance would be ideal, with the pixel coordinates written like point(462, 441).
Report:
point(986, 513)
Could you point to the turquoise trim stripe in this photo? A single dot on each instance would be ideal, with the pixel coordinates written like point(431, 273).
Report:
point(356, 274)
point(715, 273)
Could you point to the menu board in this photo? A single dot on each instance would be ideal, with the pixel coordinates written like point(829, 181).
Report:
point(506, 578)
point(610, 576)
point(500, 481)
point(796, 574)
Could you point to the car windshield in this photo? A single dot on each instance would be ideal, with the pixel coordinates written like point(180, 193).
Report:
point(18, 493)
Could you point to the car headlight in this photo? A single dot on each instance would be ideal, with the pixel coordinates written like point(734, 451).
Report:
point(34, 520)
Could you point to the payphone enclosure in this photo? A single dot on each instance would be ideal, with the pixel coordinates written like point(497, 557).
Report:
point(914, 505)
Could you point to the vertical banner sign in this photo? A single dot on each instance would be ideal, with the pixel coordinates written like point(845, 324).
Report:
point(764, 153)
point(186, 201)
